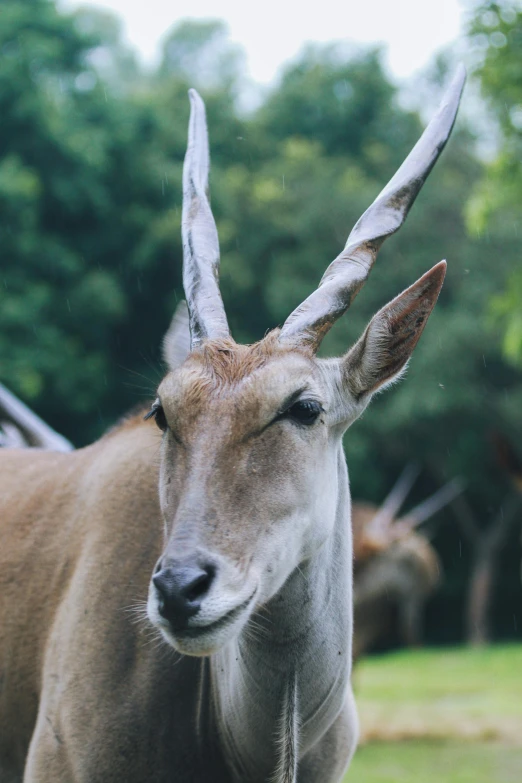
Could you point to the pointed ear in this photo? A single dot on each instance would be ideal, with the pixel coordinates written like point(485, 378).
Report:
point(176, 343)
point(382, 353)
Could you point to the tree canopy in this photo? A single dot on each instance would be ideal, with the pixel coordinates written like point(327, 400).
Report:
point(495, 31)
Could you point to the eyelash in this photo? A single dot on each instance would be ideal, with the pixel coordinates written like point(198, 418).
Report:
point(158, 414)
point(304, 412)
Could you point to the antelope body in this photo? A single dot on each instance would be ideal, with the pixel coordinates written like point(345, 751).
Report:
point(230, 518)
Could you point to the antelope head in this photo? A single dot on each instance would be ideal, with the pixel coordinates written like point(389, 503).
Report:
point(251, 447)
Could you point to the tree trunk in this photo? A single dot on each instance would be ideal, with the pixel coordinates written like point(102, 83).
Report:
point(479, 597)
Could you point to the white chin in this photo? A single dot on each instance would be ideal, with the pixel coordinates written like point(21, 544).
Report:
point(198, 642)
point(201, 640)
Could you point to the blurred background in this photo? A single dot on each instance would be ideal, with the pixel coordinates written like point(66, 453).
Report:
point(309, 117)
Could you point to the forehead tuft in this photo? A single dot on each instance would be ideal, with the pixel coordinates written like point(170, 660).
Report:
point(220, 365)
point(225, 363)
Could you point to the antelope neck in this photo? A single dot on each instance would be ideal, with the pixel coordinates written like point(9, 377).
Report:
point(302, 638)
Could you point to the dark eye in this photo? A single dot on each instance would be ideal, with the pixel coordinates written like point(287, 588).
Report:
point(304, 411)
point(158, 413)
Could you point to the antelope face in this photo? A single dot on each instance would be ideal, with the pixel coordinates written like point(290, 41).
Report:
point(247, 485)
point(251, 434)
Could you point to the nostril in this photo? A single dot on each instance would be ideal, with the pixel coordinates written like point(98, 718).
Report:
point(181, 587)
point(161, 585)
point(200, 585)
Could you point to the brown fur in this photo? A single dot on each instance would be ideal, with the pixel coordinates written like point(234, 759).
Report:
point(228, 362)
point(48, 547)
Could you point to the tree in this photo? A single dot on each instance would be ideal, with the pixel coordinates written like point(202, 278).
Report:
point(339, 97)
point(486, 545)
point(496, 31)
point(83, 203)
point(200, 53)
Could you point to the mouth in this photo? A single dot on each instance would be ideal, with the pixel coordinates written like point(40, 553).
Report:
point(203, 640)
point(197, 631)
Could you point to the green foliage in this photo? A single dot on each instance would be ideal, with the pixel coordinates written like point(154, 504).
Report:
point(506, 309)
point(341, 99)
point(496, 32)
point(201, 54)
point(82, 207)
point(496, 29)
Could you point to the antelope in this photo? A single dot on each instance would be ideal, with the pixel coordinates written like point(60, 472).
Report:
point(395, 566)
point(226, 510)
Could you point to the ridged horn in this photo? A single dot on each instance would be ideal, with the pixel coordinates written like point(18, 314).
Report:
point(346, 275)
point(200, 239)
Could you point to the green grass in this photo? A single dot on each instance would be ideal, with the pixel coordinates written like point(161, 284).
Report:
point(466, 693)
point(451, 716)
point(436, 761)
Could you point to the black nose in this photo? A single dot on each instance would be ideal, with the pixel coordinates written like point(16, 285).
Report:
point(182, 585)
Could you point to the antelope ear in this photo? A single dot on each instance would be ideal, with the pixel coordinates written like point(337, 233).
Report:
point(380, 356)
point(176, 343)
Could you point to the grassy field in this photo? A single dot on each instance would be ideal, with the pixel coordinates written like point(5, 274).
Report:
point(436, 761)
point(451, 716)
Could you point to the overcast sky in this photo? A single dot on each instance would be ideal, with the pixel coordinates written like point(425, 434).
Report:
point(273, 31)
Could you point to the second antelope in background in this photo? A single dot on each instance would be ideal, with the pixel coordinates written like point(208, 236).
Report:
point(395, 566)
point(228, 509)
